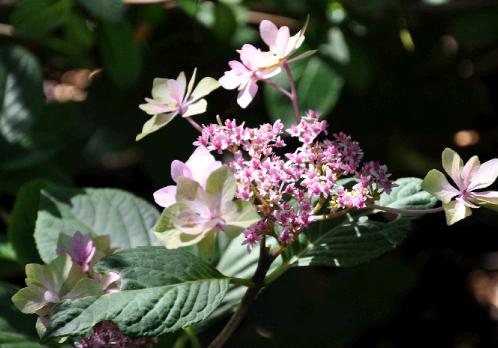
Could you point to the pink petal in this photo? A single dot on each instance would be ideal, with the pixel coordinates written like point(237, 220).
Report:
point(179, 169)
point(246, 95)
point(453, 165)
point(485, 175)
point(469, 170)
point(165, 196)
point(249, 55)
point(230, 80)
point(282, 41)
point(201, 164)
point(268, 32)
point(490, 197)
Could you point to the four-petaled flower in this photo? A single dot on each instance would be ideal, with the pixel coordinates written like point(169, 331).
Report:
point(254, 65)
point(199, 213)
point(281, 44)
point(468, 178)
point(172, 97)
point(198, 167)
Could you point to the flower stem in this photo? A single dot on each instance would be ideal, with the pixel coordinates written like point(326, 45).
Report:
point(194, 124)
point(293, 94)
point(264, 263)
point(278, 88)
point(406, 211)
point(241, 281)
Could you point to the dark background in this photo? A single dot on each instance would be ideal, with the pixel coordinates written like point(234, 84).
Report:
point(404, 78)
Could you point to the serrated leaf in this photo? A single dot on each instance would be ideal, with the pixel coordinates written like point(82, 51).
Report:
point(21, 94)
point(35, 18)
point(408, 195)
point(120, 53)
point(318, 87)
point(162, 291)
point(106, 10)
point(126, 218)
point(354, 242)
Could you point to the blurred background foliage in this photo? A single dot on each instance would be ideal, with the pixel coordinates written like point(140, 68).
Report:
point(405, 77)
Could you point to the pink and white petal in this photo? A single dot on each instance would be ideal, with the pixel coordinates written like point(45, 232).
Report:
point(249, 56)
point(268, 31)
point(282, 42)
point(153, 108)
point(487, 199)
point(205, 86)
point(485, 175)
point(455, 211)
point(191, 84)
point(469, 170)
point(176, 91)
point(161, 91)
point(230, 80)
point(200, 163)
point(436, 183)
point(182, 84)
point(238, 67)
point(202, 177)
point(154, 123)
point(246, 95)
point(165, 196)
point(179, 169)
point(453, 165)
point(196, 108)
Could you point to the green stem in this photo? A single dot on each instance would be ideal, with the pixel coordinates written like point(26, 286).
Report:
point(241, 281)
point(406, 211)
point(194, 341)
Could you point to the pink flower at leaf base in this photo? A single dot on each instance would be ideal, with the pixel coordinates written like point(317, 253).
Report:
point(197, 168)
point(458, 200)
point(253, 66)
point(172, 97)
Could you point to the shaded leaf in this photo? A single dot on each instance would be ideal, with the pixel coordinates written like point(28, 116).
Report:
point(162, 291)
point(126, 218)
point(106, 10)
point(35, 18)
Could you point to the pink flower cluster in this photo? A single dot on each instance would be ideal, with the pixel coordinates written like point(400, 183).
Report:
point(283, 186)
point(107, 335)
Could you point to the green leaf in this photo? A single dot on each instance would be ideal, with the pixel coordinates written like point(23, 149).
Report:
point(7, 252)
point(10, 339)
point(22, 221)
point(11, 319)
point(21, 94)
point(318, 87)
point(35, 18)
point(357, 241)
point(126, 218)
point(162, 291)
point(408, 195)
point(120, 53)
point(106, 10)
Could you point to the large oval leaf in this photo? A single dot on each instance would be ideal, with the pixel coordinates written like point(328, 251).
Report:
point(357, 241)
point(35, 18)
point(408, 195)
point(126, 218)
point(162, 291)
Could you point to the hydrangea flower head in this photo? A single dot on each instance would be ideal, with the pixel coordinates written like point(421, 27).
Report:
point(198, 168)
point(172, 97)
point(468, 179)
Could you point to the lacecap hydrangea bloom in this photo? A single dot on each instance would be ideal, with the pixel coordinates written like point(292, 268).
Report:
point(469, 180)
